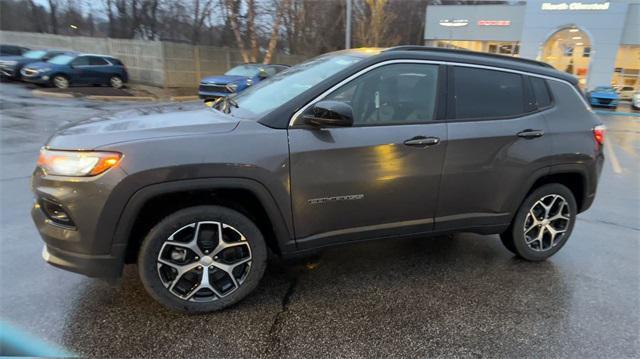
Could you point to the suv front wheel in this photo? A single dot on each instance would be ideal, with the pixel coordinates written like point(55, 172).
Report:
point(543, 223)
point(202, 259)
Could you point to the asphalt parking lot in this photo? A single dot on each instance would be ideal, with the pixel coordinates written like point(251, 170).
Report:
point(463, 295)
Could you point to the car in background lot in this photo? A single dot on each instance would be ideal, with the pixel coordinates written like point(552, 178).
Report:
point(77, 69)
point(10, 66)
point(236, 80)
point(635, 101)
point(12, 50)
point(605, 96)
point(625, 92)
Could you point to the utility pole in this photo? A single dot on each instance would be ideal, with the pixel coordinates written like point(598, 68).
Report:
point(347, 34)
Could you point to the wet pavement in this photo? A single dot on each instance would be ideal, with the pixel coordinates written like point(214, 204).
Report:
point(463, 295)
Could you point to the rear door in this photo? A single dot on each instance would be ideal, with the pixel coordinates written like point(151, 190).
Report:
point(80, 70)
point(497, 146)
point(381, 176)
point(100, 70)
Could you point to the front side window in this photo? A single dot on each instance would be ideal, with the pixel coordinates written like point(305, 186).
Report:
point(81, 61)
point(61, 59)
point(391, 94)
point(487, 94)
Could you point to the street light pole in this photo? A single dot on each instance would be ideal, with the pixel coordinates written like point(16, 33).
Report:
point(347, 34)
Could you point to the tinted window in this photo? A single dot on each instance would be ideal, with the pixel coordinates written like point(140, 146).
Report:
point(540, 92)
point(97, 61)
point(10, 50)
point(392, 94)
point(81, 61)
point(487, 94)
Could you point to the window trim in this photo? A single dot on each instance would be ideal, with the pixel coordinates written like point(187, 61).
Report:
point(298, 113)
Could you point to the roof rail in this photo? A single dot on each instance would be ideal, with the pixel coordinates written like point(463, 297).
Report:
point(466, 52)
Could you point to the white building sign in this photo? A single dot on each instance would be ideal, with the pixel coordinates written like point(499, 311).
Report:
point(575, 6)
point(454, 22)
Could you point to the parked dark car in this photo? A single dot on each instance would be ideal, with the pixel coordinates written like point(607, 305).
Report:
point(10, 66)
point(236, 80)
point(77, 69)
point(12, 50)
point(349, 146)
point(604, 96)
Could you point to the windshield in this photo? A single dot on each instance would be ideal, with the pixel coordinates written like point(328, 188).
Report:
point(605, 89)
point(285, 85)
point(34, 54)
point(244, 70)
point(61, 59)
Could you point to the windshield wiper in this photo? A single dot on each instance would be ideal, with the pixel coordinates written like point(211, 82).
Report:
point(227, 102)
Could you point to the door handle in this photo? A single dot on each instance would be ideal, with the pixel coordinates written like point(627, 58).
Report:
point(531, 133)
point(422, 141)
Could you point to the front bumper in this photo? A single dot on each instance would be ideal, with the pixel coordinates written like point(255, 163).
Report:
point(37, 79)
point(77, 248)
point(604, 102)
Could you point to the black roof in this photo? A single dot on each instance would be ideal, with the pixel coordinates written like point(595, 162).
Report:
point(478, 58)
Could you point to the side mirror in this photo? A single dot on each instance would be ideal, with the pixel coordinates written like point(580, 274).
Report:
point(263, 74)
point(329, 114)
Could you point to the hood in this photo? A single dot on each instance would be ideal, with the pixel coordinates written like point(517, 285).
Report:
point(223, 79)
point(37, 65)
point(11, 58)
point(604, 94)
point(141, 124)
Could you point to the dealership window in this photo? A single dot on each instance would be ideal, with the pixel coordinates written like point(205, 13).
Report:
point(586, 52)
point(487, 94)
point(392, 94)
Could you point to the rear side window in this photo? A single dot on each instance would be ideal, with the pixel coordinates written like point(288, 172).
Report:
point(487, 94)
point(97, 61)
point(541, 92)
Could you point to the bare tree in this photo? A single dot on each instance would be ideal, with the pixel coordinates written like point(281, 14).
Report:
point(202, 11)
point(232, 13)
point(53, 15)
point(275, 30)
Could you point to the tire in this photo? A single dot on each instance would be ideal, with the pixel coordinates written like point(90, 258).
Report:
point(60, 81)
point(116, 82)
point(157, 266)
point(559, 217)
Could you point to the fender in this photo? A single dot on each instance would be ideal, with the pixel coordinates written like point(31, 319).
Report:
point(129, 203)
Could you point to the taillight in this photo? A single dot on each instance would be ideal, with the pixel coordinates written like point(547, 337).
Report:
point(598, 133)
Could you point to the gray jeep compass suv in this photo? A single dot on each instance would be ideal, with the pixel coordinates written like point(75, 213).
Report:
point(348, 146)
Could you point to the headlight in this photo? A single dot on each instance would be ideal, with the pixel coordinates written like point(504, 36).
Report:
point(232, 87)
point(46, 69)
point(8, 63)
point(249, 82)
point(77, 163)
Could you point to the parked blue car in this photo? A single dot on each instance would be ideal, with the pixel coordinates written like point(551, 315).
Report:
point(236, 80)
point(77, 69)
point(605, 96)
point(11, 65)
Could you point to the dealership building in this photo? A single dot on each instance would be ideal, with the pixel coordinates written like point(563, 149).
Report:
point(597, 41)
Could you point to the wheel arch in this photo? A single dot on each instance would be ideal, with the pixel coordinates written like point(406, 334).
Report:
point(573, 177)
point(152, 203)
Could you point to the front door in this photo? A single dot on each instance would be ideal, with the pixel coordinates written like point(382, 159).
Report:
point(381, 176)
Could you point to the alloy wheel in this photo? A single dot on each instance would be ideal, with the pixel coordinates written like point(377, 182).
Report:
point(547, 222)
point(60, 82)
point(204, 261)
point(115, 82)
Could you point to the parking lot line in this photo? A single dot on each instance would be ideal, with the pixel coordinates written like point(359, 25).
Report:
point(613, 159)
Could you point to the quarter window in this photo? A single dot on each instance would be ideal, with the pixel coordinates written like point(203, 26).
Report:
point(487, 94)
point(540, 92)
point(392, 94)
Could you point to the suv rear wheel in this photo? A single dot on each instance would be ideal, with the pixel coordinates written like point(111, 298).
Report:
point(116, 82)
point(202, 259)
point(543, 223)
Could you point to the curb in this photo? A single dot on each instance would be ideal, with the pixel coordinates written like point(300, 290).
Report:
point(183, 98)
point(120, 98)
point(40, 93)
point(614, 113)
